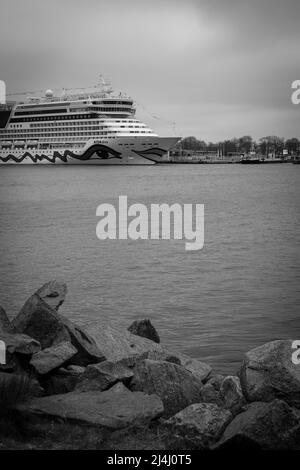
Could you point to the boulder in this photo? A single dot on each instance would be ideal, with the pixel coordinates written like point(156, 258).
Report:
point(209, 394)
point(198, 368)
point(87, 350)
point(5, 325)
point(231, 394)
point(117, 344)
point(103, 375)
point(269, 426)
point(53, 357)
point(53, 293)
point(20, 343)
point(120, 345)
point(145, 329)
point(63, 380)
point(216, 381)
point(115, 408)
point(75, 370)
point(38, 320)
point(268, 372)
point(198, 426)
point(45, 324)
point(162, 356)
point(176, 386)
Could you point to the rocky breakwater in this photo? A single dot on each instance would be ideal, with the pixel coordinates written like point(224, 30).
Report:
point(110, 379)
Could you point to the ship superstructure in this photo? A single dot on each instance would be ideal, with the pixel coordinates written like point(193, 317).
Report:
point(92, 126)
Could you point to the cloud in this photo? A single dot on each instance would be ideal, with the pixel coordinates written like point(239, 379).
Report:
point(216, 68)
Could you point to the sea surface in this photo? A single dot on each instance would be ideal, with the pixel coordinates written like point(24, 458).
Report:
point(241, 290)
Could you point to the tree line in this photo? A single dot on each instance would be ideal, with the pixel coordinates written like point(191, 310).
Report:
point(243, 145)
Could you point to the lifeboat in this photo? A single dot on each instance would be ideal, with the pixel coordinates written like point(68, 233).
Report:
point(6, 143)
point(19, 143)
point(32, 143)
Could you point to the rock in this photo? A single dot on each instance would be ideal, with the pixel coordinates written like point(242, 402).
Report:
point(53, 293)
point(45, 324)
point(198, 426)
point(117, 344)
point(145, 329)
point(5, 325)
point(63, 380)
point(231, 394)
point(113, 409)
point(209, 394)
point(198, 368)
point(216, 381)
point(53, 357)
point(163, 356)
point(103, 375)
point(87, 350)
point(120, 345)
point(269, 426)
point(176, 386)
point(20, 343)
point(268, 372)
point(40, 321)
point(75, 370)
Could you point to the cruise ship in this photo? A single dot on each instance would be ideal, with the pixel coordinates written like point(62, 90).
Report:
point(90, 126)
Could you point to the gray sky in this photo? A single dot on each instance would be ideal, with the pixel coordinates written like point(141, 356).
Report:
point(217, 68)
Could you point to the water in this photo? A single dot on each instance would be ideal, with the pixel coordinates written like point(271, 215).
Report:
point(240, 291)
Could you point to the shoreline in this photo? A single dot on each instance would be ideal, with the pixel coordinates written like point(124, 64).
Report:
point(103, 387)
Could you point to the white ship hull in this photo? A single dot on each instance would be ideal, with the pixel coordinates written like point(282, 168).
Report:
point(118, 151)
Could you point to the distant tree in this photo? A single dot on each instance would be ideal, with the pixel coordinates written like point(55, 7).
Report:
point(229, 146)
point(191, 143)
point(245, 144)
point(271, 144)
point(292, 145)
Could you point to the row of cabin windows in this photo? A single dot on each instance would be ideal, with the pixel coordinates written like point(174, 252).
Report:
point(60, 118)
point(61, 134)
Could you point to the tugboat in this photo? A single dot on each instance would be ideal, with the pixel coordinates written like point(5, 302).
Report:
point(251, 159)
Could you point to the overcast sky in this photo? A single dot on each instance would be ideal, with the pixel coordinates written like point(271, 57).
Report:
point(216, 68)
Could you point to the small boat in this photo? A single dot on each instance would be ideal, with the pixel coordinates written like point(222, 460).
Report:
point(251, 161)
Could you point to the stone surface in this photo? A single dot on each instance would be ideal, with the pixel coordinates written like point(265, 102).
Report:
point(76, 370)
point(163, 356)
point(103, 375)
point(145, 329)
point(20, 343)
point(198, 368)
point(53, 293)
point(53, 357)
point(5, 325)
point(270, 426)
point(209, 394)
point(40, 321)
point(216, 381)
point(63, 380)
point(198, 426)
point(117, 344)
point(176, 386)
point(268, 372)
point(231, 394)
point(115, 408)
point(87, 350)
